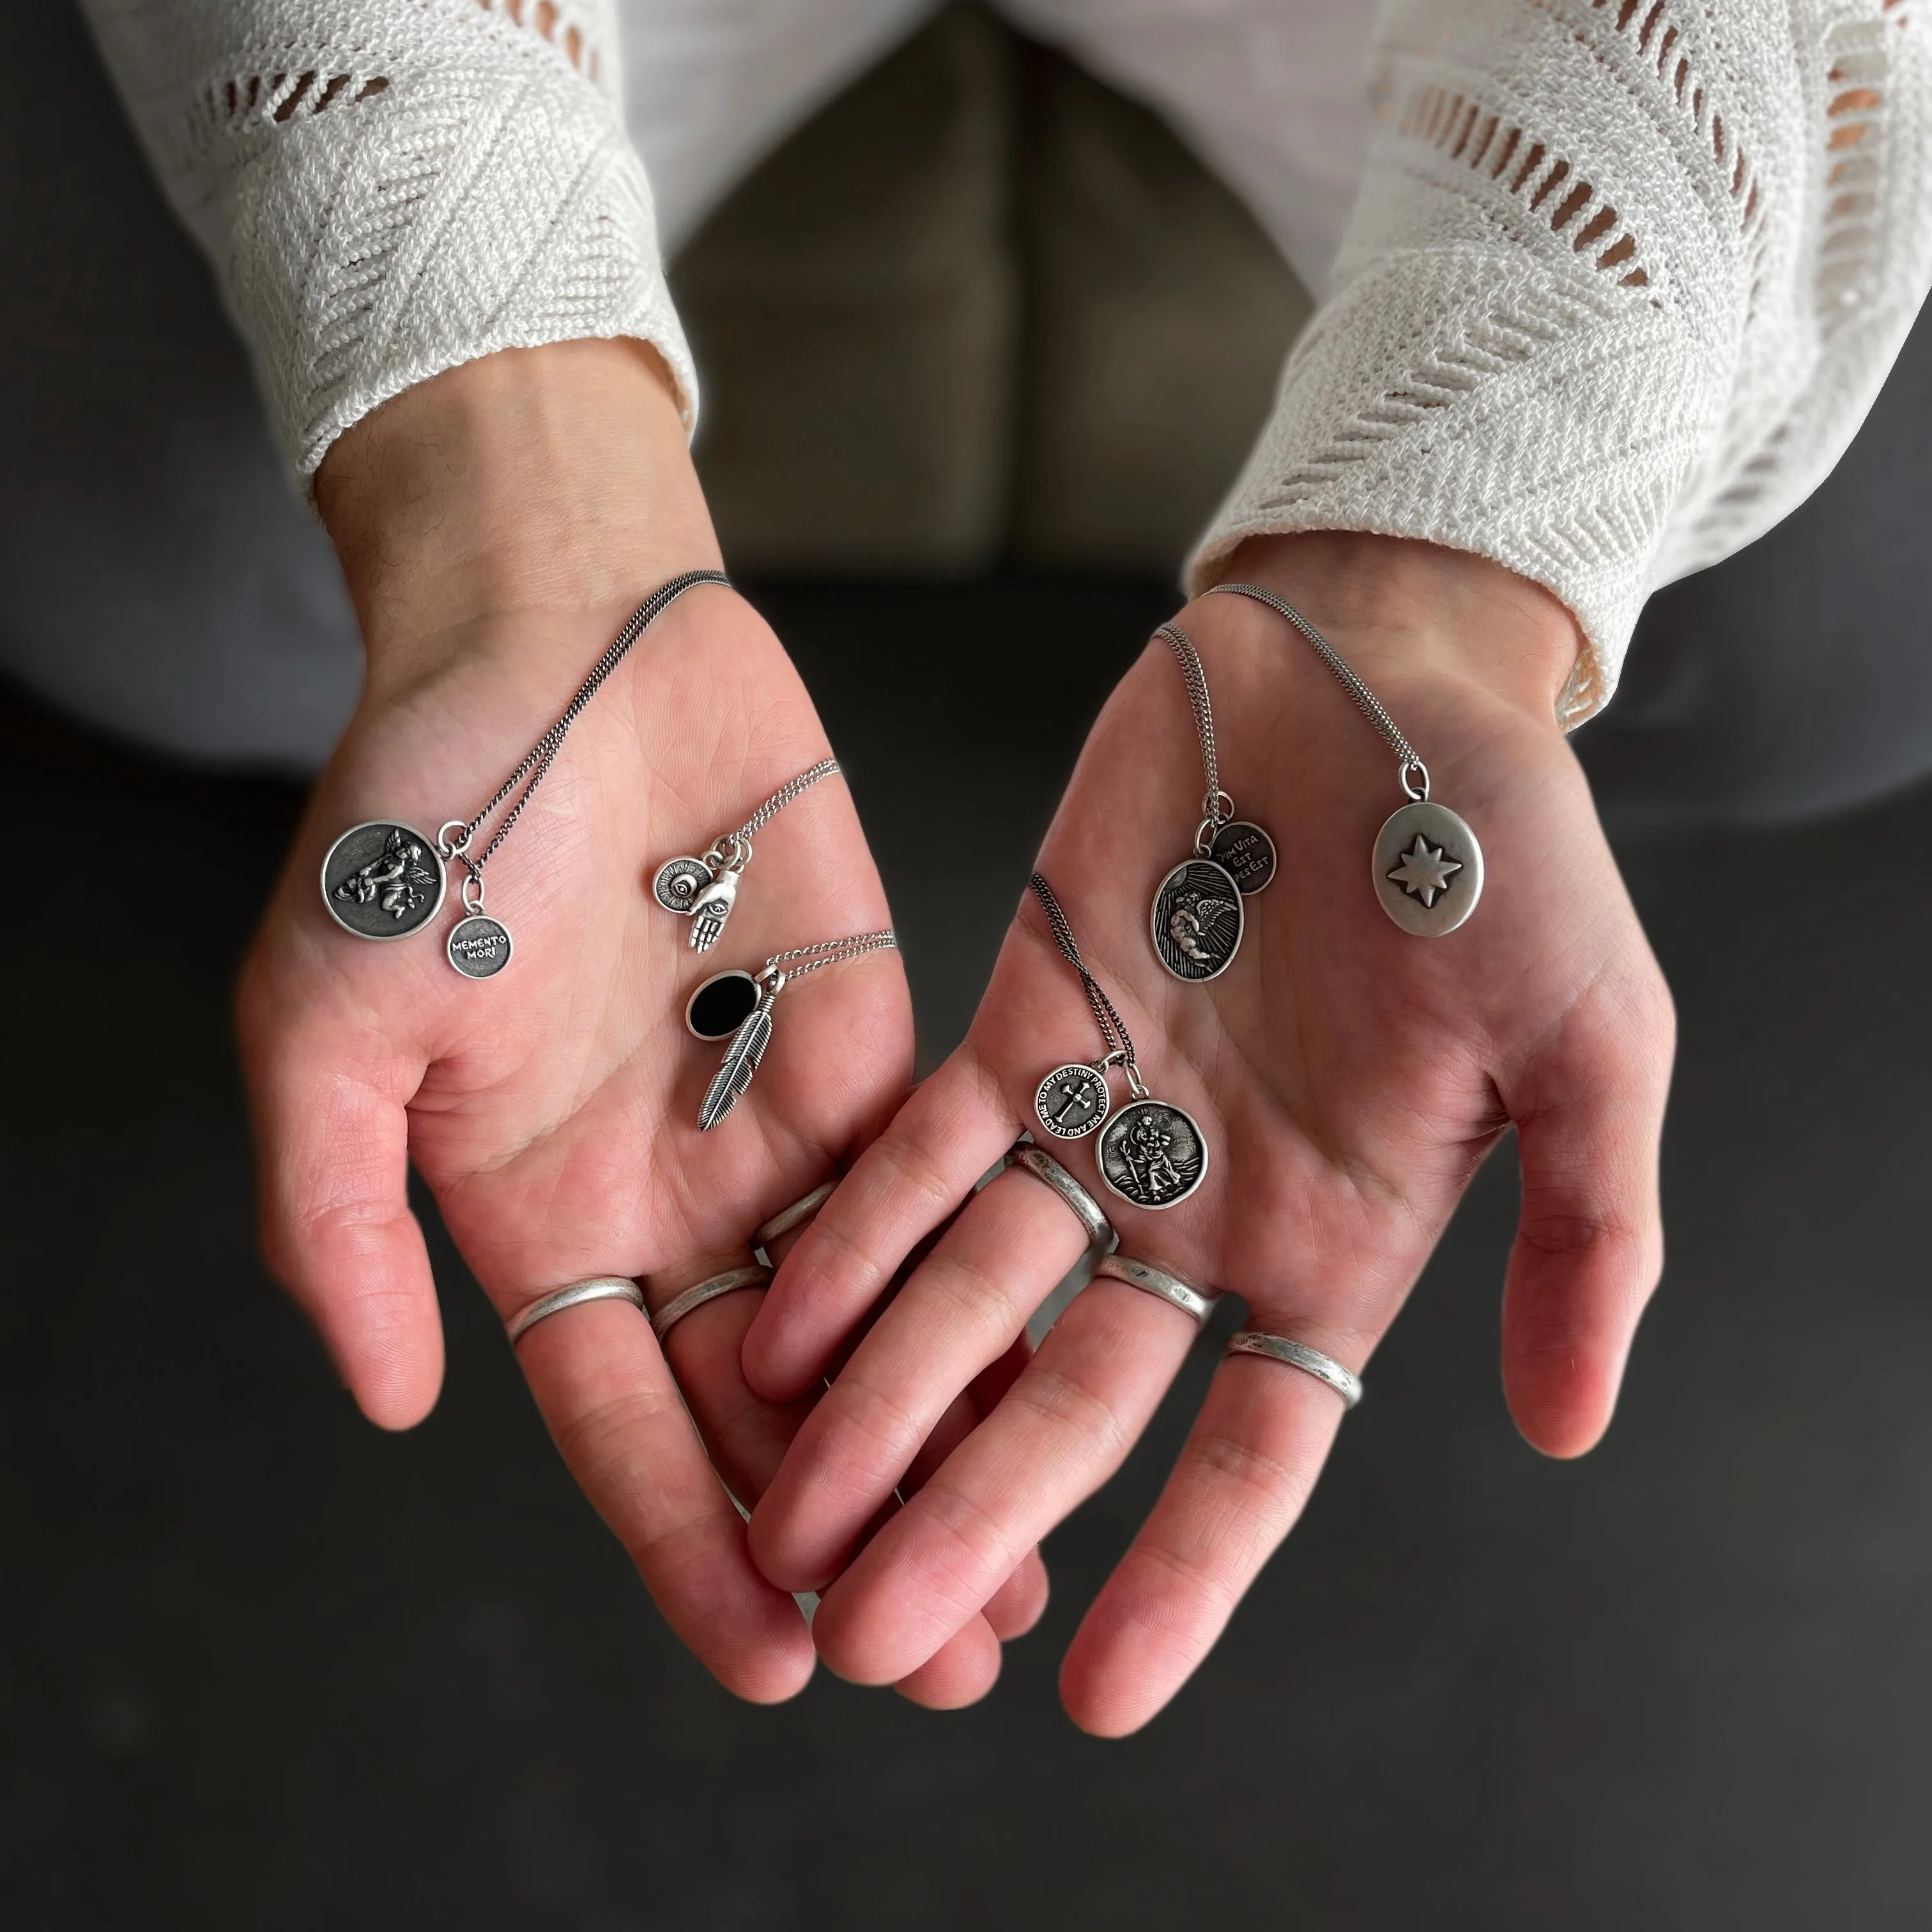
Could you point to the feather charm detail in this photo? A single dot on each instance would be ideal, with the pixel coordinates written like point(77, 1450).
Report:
point(740, 1062)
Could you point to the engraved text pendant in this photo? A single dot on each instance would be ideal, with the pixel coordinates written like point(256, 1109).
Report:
point(479, 948)
point(1072, 1101)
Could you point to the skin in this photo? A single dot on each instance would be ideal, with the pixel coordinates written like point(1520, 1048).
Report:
point(1350, 1078)
point(497, 525)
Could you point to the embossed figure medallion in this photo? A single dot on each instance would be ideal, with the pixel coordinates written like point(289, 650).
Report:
point(479, 948)
point(679, 882)
point(382, 880)
point(1072, 1101)
point(1153, 1154)
point(1196, 919)
point(1247, 853)
point(1427, 869)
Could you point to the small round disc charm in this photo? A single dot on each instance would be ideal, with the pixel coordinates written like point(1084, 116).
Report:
point(479, 948)
point(1247, 853)
point(1196, 919)
point(679, 882)
point(1152, 1154)
point(1428, 869)
point(721, 1004)
point(382, 880)
point(1072, 1101)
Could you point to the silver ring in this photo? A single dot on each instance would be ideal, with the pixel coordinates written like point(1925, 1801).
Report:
point(1177, 1289)
point(605, 1288)
point(1042, 1166)
point(754, 1275)
point(1299, 1355)
point(787, 1219)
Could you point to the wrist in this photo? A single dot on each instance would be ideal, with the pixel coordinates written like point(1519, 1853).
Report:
point(552, 484)
point(1406, 611)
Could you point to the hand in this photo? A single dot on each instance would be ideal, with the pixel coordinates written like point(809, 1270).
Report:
point(497, 525)
point(1349, 1077)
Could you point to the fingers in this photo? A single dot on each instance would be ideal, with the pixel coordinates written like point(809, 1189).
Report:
point(1249, 1463)
point(962, 1309)
point(906, 1183)
point(1061, 1430)
point(608, 1396)
point(332, 1161)
point(1589, 1244)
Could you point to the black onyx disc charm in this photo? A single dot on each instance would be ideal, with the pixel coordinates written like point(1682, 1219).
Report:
point(1196, 919)
point(479, 948)
point(382, 880)
point(1247, 853)
point(1072, 1101)
point(1152, 1154)
point(1428, 869)
point(721, 1006)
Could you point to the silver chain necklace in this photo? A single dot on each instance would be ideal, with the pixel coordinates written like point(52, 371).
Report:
point(740, 1004)
point(1196, 919)
point(384, 880)
point(704, 890)
point(1427, 864)
point(1151, 1153)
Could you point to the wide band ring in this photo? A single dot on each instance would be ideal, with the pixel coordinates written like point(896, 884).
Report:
point(1175, 1289)
point(1042, 1166)
point(754, 1274)
point(1299, 1355)
point(787, 1219)
point(604, 1287)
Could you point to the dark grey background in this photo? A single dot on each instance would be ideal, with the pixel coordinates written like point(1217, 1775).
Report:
point(261, 1667)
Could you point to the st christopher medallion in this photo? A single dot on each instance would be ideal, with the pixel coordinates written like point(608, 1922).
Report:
point(478, 948)
point(1152, 1153)
point(1072, 1101)
point(382, 880)
point(1427, 869)
point(1196, 919)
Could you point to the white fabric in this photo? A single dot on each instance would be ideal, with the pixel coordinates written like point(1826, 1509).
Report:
point(1623, 276)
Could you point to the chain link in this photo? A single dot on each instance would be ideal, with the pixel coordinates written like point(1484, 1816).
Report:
point(829, 952)
point(536, 762)
point(1195, 674)
point(1113, 1029)
point(1367, 702)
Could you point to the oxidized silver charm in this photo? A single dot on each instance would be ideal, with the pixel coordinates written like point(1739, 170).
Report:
point(1072, 1101)
point(382, 880)
point(1246, 852)
point(705, 895)
point(1153, 1154)
point(478, 948)
point(1427, 869)
point(679, 882)
point(1196, 919)
point(729, 1084)
point(721, 1006)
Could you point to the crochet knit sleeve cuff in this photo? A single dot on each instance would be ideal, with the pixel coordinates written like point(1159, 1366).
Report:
point(1625, 278)
point(387, 188)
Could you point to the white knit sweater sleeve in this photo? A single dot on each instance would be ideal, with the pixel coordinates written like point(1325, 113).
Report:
point(1623, 279)
point(387, 188)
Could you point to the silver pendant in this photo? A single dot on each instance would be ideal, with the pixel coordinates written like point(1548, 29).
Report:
point(1196, 919)
point(1072, 1101)
point(1153, 1154)
point(705, 897)
point(1247, 853)
point(382, 880)
point(728, 1084)
point(478, 948)
point(1427, 869)
point(721, 1006)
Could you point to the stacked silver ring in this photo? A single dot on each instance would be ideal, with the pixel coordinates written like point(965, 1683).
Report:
point(604, 1288)
point(1174, 1289)
point(1299, 1355)
point(1101, 1238)
point(754, 1274)
point(787, 1219)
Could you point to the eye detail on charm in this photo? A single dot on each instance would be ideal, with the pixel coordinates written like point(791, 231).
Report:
point(678, 883)
point(1072, 1101)
point(1196, 919)
point(1153, 1154)
point(1427, 870)
point(382, 880)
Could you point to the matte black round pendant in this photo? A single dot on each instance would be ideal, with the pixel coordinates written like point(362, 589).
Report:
point(720, 1006)
point(382, 880)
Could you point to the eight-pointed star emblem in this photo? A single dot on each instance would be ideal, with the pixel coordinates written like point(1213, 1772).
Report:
point(1425, 872)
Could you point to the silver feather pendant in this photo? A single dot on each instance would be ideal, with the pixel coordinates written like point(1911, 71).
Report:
point(740, 1062)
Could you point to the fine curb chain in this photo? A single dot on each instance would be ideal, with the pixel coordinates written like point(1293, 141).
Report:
point(536, 762)
point(1367, 702)
point(772, 806)
point(1113, 1029)
point(1192, 670)
point(825, 952)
